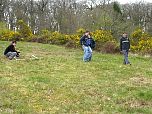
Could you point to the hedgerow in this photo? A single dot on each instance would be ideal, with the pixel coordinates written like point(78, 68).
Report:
point(105, 42)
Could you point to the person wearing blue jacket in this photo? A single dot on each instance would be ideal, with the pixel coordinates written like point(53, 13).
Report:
point(88, 44)
point(125, 47)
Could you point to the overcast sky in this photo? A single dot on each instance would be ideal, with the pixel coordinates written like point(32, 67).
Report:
point(133, 1)
point(126, 1)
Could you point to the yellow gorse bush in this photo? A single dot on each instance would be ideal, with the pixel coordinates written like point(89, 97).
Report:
point(10, 35)
point(145, 45)
point(102, 36)
point(136, 36)
point(141, 42)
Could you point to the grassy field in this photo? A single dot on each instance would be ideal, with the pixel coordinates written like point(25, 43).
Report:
point(58, 82)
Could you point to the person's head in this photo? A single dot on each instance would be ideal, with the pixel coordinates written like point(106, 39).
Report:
point(124, 35)
point(13, 43)
point(87, 33)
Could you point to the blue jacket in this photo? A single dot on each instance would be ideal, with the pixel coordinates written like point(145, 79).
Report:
point(84, 41)
point(124, 44)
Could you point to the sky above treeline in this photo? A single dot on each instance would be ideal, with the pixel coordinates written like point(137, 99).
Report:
point(127, 1)
point(133, 1)
point(124, 1)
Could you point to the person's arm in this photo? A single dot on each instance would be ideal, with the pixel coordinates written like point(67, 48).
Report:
point(82, 40)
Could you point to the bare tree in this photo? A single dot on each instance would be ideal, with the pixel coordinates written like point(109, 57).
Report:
point(3, 6)
point(67, 16)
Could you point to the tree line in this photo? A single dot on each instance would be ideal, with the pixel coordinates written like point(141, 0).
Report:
point(67, 16)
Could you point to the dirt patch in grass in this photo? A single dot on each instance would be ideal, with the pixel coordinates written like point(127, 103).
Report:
point(95, 93)
point(137, 104)
point(140, 80)
point(134, 103)
point(136, 81)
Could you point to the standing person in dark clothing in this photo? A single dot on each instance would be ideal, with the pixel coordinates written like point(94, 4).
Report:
point(124, 47)
point(10, 51)
point(91, 44)
point(88, 44)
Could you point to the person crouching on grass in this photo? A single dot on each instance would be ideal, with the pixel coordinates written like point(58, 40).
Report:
point(125, 47)
point(88, 44)
point(10, 51)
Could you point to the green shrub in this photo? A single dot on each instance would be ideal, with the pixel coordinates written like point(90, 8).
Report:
point(44, 36)
point(3, 28)
point(110, 47)
point(57, 38)
point(24, 29)
point(102, 39)
point(71, 44)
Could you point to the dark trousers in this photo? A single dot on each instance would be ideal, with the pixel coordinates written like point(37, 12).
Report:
point(125, 53)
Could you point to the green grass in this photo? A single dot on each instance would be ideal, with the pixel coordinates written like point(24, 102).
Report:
point(58, 82)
